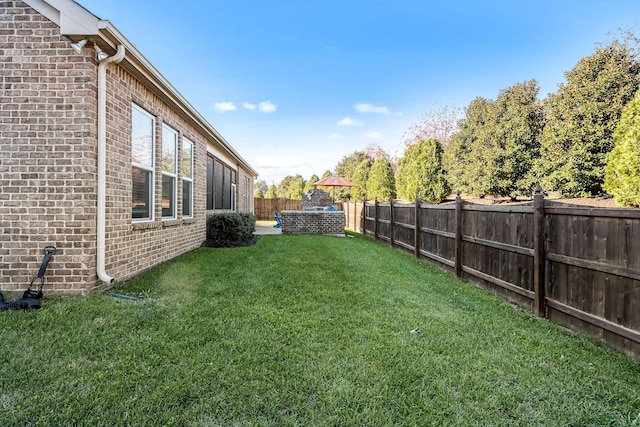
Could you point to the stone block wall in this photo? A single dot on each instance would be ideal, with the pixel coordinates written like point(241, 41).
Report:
point(313, 222)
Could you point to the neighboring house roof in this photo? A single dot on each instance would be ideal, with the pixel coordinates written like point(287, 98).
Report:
point(77, 23)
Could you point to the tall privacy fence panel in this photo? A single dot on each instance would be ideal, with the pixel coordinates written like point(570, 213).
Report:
point(577, 266)
point(263, 208)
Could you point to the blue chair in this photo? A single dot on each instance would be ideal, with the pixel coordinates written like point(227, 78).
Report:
point(278, 220)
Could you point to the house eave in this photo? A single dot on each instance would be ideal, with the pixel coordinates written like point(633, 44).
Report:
point(77, 23)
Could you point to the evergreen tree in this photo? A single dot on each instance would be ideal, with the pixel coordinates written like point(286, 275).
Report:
point(581, 118)
point(622, 173)
point(456, 160)
point(420, 172)
point(360, 178)
point(381, 184)
point(258, 194)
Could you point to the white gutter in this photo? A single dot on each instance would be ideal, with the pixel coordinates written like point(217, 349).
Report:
point(102, 163)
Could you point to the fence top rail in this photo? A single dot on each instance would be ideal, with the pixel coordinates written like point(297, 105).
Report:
point(448, 206)
point(506, 209)
point(586, 211)
point(404, 204)
point(551, 207)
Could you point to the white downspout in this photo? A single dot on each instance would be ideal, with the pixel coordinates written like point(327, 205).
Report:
point(102, 163)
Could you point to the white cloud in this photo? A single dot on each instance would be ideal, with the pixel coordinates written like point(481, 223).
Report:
point(374, 135)
point(363, 108)
point(249, 106)
point(267, 107)
point(224, 106)
point(348, 121)
point(333, 136)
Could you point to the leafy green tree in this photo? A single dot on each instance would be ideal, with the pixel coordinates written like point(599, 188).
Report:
point(345, 168)
point(420, 172)
point(272, 192)
point(498, 142)
point(258, 194)
point(309, 185)
point(291, 187)
point(515, 143)
point(381, 184)
point(622, 173)
point(261, 185)
point(463, 161)
point(581, 118)
point(360, 178)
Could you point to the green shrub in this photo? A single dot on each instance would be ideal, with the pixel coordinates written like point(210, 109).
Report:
point(230, 229)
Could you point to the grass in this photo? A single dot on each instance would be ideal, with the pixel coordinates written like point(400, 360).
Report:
point(305, 330)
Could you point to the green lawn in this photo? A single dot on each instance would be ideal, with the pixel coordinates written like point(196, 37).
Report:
point(304, 330)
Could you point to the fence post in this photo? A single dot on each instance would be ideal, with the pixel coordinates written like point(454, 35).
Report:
point(391, 222)
point(375, 219)
point(363, 216)
point(539, 303)
point(416, 235)
point(458, 260)
point(346, 213)
point(355, 215)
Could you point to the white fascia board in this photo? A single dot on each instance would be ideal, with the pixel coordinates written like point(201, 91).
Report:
point(72, 18)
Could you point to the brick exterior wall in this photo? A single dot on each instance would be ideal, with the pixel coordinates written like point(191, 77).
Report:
point(313, 222)
point(48, 164)
point(316, 198)
point(48, 153)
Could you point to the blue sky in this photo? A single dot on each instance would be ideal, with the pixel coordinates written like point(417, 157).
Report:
point(295, 86)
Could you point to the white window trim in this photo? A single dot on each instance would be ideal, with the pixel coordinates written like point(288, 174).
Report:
point(233, 196)
point(175, 168)
point(246, 194)
point(152, 180)
point(189, 179)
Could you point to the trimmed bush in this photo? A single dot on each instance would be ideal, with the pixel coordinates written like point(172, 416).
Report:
point(230, 230)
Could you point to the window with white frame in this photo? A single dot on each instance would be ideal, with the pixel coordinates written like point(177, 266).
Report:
point(187, 178)
point(142, 162)
point(221, 185)
point(169, 171)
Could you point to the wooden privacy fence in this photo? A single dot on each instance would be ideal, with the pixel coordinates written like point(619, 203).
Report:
point(263, 208)
point(577, 266)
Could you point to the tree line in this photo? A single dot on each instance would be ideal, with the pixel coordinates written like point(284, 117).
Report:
point(582, 140)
